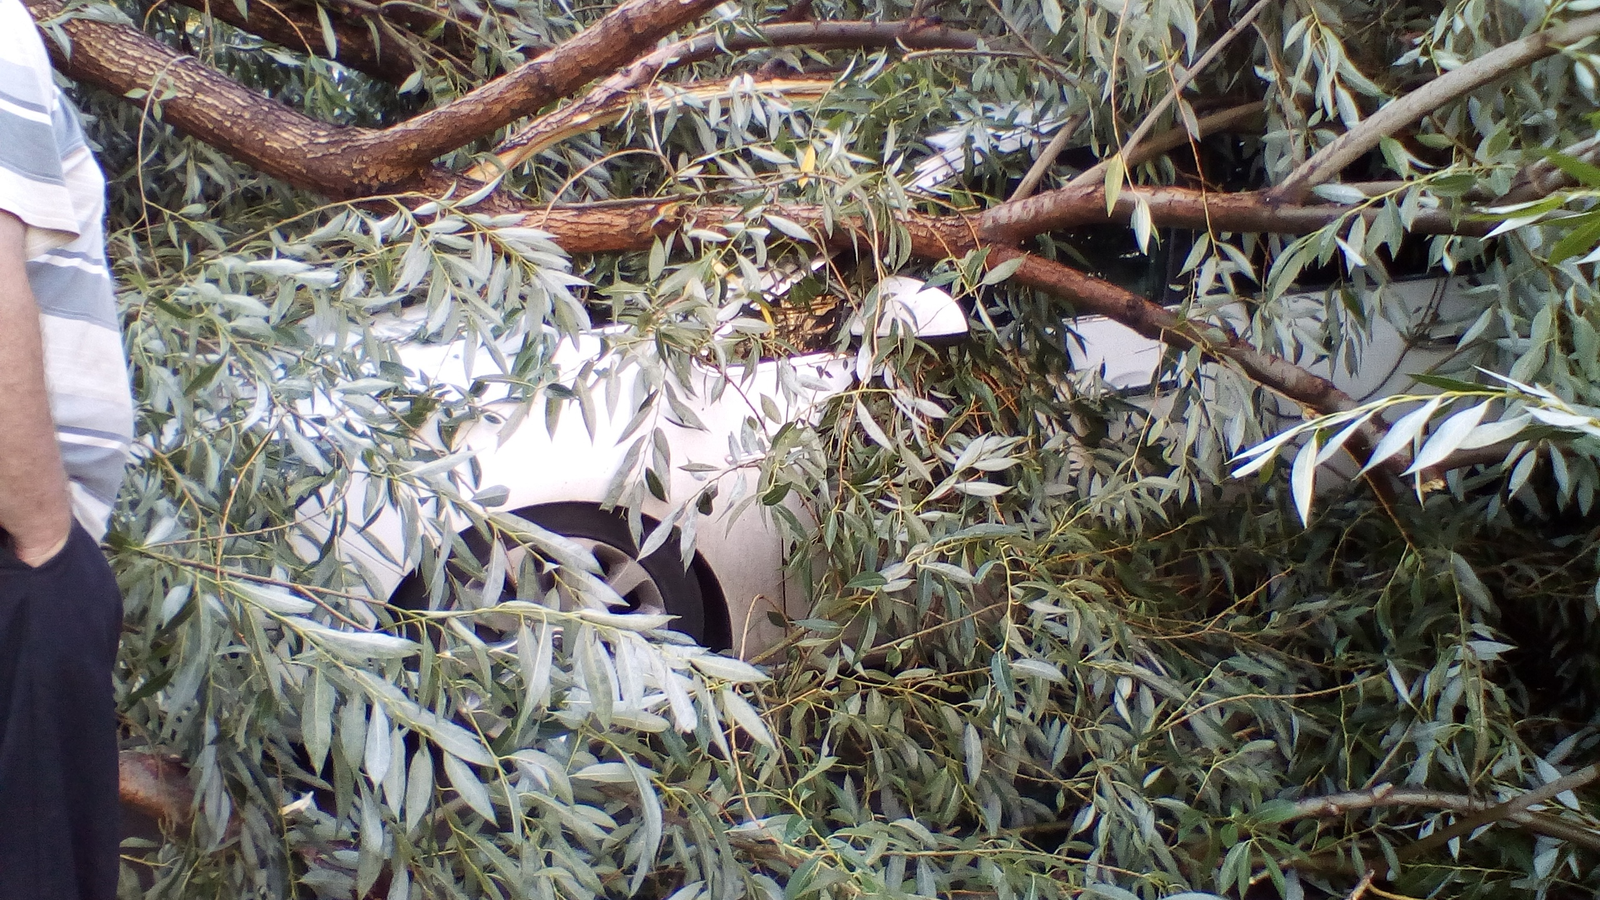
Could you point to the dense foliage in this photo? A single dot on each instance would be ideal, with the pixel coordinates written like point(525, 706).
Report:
point(1055, 649)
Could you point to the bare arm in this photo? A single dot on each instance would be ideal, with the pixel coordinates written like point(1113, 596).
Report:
point(34, 506)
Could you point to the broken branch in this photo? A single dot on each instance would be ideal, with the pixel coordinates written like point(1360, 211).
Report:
point(1508, 811)
point(615, 228)
point(1452, 85)
point(342, 161)
point(595, 109)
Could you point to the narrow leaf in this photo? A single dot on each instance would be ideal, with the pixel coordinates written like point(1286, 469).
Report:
point(1449, 435)
point(1402, 432)
point(466, 783)
point(1303, 478)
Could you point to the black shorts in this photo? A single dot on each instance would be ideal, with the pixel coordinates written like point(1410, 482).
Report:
point(59, 625)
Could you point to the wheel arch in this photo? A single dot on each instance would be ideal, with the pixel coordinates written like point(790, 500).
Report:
point(718, 621)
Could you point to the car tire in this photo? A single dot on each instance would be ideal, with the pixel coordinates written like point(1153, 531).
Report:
point(657, 583)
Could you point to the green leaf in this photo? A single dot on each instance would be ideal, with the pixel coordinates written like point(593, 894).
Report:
point(865, 581)
point(1402, 433)
point(1584, 173)
point(745, 715)
point(1002, 271)
point(1585, 235)
point(353, 645)
point(377, 758)
point(1340, 193)
point(972, 751)
point(1491, 433)
point(730, 670)
point(451, 738)
point(1470, 584)
point(1116, 174)
point(1444, 383)
point(273, 598)
point(1302, 478)
point(1038, 668)
point(316, 719)
point(419, 787)
point(1053, 18)
point(466, 783)
point(870, 426)
point(1449, 436)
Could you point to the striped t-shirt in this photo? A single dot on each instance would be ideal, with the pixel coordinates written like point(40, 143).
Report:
point(50, 181)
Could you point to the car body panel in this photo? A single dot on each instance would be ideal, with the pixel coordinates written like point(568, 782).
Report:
point(1129, 361)
point(576, 459)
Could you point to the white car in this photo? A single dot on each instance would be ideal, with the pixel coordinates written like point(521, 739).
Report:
point(558, 480)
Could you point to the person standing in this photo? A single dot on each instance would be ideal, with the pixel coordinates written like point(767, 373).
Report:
point(66, 423)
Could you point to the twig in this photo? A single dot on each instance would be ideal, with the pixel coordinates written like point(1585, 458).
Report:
point(618, 88)
point(1388, 795)
point(1096, 174)
point(1504, 811)
point(1222, 120)
point(1384, 795)
point(1452, 85)
point(1542, 177)
point(1047, 157)
point(1361, 886)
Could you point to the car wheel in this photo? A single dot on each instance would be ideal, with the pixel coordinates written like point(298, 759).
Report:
point(656, 584)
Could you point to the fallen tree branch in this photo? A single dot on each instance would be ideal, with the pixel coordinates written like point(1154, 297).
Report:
point(1483, 812)
point(635, 226)
point(285, 143)
point(617, 90)
point(156, 786)
point(1177, 207)
point(293, 25)
point(1450, 86)
point(342, 161)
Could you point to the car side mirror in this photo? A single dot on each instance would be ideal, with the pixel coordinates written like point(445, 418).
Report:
point(928, 312)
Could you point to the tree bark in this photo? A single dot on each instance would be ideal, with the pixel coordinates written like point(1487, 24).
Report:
point(1176, 207)
point(340, 161)
point(295, 26)
point(156, 786)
